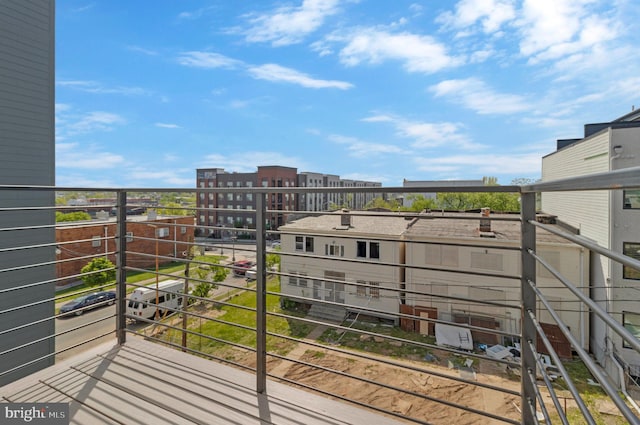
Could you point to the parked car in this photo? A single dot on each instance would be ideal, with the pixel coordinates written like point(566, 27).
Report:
point(241, 267)
point(87, 302)
point(276, 244)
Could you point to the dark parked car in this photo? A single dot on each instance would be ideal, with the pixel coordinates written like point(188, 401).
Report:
point(87, 302)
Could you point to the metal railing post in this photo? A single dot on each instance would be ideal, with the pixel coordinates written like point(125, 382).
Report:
point(121, 259)
point(529, 337)
point(261, 295)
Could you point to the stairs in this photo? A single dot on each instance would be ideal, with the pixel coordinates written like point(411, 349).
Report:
point(327, 312)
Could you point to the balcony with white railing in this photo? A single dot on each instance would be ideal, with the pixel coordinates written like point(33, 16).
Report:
point(348, 317)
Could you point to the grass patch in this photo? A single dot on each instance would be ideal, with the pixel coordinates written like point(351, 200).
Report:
point(246, 337)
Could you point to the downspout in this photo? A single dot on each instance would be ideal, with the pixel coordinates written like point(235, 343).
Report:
point(582, 318)
point(175, 239)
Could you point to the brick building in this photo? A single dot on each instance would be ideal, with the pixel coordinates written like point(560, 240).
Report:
point(77, 241)
point(211, 205)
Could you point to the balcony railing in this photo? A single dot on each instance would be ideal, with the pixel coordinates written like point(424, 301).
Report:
point(399, 312)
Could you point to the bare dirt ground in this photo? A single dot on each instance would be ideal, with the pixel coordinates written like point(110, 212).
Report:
point(424, 385)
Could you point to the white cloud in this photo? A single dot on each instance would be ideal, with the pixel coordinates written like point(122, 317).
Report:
point(427, 135)
point(362, 149)
point(246, 162)
point(99, 88)
point(94, 121)
point(552, 29)
point(73, 155)
point(510, 164)
point(492, 14)
point(70, 123)
point(142, 50)
point(211, 60)
point(166, 125)
point(277, 73)
point(168, 177)
point(289, 24)
point(195, 14)
point(418, 53)
point(474, 94)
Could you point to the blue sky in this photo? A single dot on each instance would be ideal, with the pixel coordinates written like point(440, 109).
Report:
point(148, 91)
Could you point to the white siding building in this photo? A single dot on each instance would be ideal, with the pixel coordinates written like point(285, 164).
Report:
point(340, 238)
point(449, 262)
point(610, 218)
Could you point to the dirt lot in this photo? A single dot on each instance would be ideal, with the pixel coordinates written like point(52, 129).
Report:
point(434, 388)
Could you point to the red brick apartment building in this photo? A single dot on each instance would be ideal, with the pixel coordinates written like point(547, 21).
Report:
point(81, 239)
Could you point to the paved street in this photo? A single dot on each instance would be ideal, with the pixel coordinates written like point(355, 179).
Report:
point(86, 331)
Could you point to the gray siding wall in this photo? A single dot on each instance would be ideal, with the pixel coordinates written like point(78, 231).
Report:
point(27, 148)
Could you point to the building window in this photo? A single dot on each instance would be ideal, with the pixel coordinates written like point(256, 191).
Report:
point(631, 249)
point(631, 322)
point(201, 219)
point(129, 237)
point(374, 291)
point(304, 243)
point(373, 250)
point(229, 196)
point(298, 279)
point(631, 199)
point(183, 229)
point(361, 289)
point(249, 197)
point(95, 241)
point(334, 250)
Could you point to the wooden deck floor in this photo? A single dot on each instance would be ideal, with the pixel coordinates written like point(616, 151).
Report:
point(146, 383)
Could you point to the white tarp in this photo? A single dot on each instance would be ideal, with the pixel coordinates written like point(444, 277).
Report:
point(454, 336)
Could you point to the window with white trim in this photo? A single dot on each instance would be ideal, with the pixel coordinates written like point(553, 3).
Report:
point(631, 322)
point(95, 241)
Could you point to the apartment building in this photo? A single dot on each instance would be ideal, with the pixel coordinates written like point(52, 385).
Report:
point(27, 157)
point(431, 266)
point(609, 218)
point(211, 206)
point(450, 261)
point(333, 240)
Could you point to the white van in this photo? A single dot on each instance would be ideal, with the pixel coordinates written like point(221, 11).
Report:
point(142, 301)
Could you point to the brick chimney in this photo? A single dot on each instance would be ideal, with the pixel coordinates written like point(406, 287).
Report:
point(345, 218)
point(485, 223)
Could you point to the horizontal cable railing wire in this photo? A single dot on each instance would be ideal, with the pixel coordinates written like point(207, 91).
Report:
point(387, 288)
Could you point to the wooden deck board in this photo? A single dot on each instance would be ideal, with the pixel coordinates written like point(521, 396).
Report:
point(142, 382)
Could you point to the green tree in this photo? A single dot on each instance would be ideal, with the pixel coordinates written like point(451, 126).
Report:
point(207, 274)
point(101, 272)
point(420, 203)
point(379, 202)
point(173, 208)
point(202, 289)
point(72, 216)
point(273, 260)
